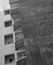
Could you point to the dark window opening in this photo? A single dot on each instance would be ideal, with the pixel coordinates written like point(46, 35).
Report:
point(6, 12)
point(9, 39)
point(8, 23)
point(9, 59)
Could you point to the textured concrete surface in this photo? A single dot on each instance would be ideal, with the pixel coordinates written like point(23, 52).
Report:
point(37, 19)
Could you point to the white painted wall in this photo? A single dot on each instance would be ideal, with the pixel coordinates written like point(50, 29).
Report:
point(0, 39)
point(4, 4)
point(5, 49)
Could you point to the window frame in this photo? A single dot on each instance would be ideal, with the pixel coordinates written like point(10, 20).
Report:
point(9, 57)
point(6, 12)
point(9, 22)
point(8, 35)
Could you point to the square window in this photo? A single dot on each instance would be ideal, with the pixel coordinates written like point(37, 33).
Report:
point(9, 39)
point(8, 23)
point(9, 59)
point(6, 12)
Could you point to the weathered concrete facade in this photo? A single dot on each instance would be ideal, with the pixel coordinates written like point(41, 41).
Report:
point(37, 20)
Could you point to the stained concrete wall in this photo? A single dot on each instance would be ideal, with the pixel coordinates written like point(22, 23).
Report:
point(37, 19)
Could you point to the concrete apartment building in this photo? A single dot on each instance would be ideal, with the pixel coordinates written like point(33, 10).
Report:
point(11, 51)
point(34, 19)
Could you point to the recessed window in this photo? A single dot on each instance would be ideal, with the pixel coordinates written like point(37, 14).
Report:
point(9, 59)
point(9, 39)
point(6, 12)
point(8, 23)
